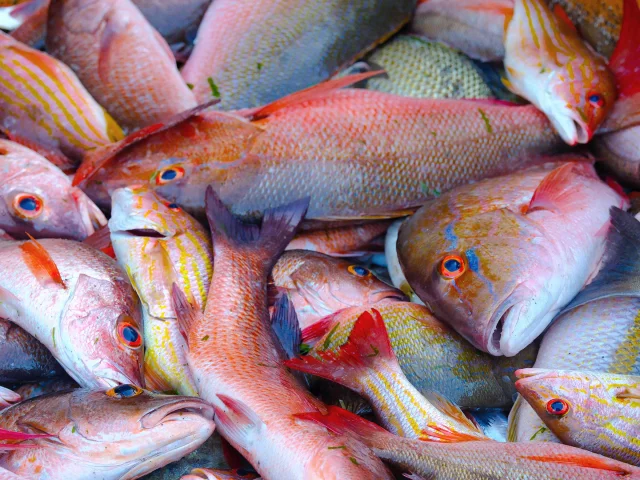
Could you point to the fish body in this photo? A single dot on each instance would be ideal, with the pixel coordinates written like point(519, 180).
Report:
point(407, 151)
point(173, 19)
point(595, 411)
point(78, 303)
point(158, 244)
point(32, 390)
point(123, 433)
point(42, 100)
point(250, 55)
point(458, 252)
point(548, 63)
point(37, 199)
point(620, 152)
point(126, 65)
point(431, 354)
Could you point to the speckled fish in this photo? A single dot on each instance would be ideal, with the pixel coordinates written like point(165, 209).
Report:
point(431, 354)
point(319, 285)
point(158, 244)
point(78, 303)
point(125, 64)
point(596, 411)
point(237, 365)
point(250, 55)
point(315, 143)
point(475, 460)
point(366, 364)
point(498, 260)
point(123, 433)
point(548, 63)
point(37, 199)
point(599, 330)
point(43, 101)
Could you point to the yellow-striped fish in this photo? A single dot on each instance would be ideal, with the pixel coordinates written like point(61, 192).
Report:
point(43, 101)
point(597, 411)
point(366, 364)
point(159, 244)
point(548, 63)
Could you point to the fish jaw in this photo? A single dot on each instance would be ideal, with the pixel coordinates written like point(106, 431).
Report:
point(91, 216)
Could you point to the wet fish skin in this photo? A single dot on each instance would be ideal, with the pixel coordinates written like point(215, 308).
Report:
point(603, 409)
point(499, 300)
point(158, 244)
point(45, 387)
point(173, 19)
point(96, 435)
point(126, 65)
point(619, 152)
point(59, 210)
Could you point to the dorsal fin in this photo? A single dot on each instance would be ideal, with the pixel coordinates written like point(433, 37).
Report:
point(625, 60)
point(284, 322)
point(40, 263)
point(556, 188)
point(562, 15)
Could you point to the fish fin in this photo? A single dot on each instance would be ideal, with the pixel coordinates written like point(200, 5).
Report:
point(512, 422)
point(342, 421)
point(368, 343)
point(310, 93)
point(237, 420)
point(101, 240)
point(556, 187)
point(154, 381)
point(585, 460)
point(620, 270)
point(615, 186)
point(40, 263)
point(11, 435)
point(561, 14)
point(629, 392)
point(441, 433)
point(278, 227)
point(97, 158)
point(319, 329)
point(54, 155)
point(284, 322)
point(186, 313)
point(625, 61)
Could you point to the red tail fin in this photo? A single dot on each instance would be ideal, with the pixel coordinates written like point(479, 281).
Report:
point(40, 262)
point(319, 329)
point(625, 61)
point(341, 421)
point(11, 435)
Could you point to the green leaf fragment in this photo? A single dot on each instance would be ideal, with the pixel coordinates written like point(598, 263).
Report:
point(53, 336)
point(214, 88)
point(354, 461)
point(74, 430)
point(190, 85)
point(327, 341)
point(205, 338)
point(339, 447)
point(487, 123)
point(539, 431)
point(259, 65)
point(304, 349)
point(375, 351)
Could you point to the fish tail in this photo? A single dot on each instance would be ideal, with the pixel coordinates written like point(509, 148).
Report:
point(625, 62)
point(278, 227)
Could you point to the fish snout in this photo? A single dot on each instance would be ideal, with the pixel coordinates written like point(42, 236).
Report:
point(178, 410)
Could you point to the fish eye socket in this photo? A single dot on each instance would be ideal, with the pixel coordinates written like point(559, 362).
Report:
point(557, 406)
point(596, 99)
point(359, 271)
point(169, 174)
point(124, 391)
point(452, 266)
point(27, 205)
point(173, 206)
point(129, 335)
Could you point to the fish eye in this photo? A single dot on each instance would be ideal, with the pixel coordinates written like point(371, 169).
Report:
point(124, 391)
point(27, 205)
point(129, 335)
point(452, 266)
point(173, 206)
point(595, 99)
point(557, 406)
point(169, 174)
point(359, 271)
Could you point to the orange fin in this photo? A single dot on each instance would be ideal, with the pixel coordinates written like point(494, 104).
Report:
point(625, 60)
point(40, 262)
point(237, 421)
point(443, 434)
point(556, 189)
point(562, 15)
point(309, 93)
point(11, 435)
point(586, 460)
point(186, 313)
point(319, 329)
point(101, 240)
point(341, 421)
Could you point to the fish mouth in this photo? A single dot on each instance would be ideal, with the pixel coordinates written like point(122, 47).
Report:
point(145, 232)
point(178, 410)
point(571, 128)
point(387, 294)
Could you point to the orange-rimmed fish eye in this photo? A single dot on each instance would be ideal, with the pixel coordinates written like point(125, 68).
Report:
point(557, 406)
point(169, 174)
point(173, 206)
point(27, 205)
point(359, 271)
point(452, 266)
point(596, 99)
point(129, 335)
point(124, 391)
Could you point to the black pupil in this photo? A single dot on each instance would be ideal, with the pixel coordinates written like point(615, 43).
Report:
point(173, 205)
point(557, 406)
point(169, 175)
point(452, 265)
point(28, 203)
point(361, 271)
point(125, 390)
point(130, 334)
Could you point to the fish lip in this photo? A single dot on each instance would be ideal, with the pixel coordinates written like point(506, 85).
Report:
point(110, 377)
point(387, 294)
point(145, 232)
point(497, 324)
point(176, 408)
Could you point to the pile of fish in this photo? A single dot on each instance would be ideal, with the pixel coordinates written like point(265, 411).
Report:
point(282, 239)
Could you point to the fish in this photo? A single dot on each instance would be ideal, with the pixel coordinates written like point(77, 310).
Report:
point(249, 55)
point(591, 410)
point(367, 364)
point(43, 101)
point(158, 244)
point(174, 19)
point(499, 259)
point(548, 63)
point(33, 22)
point(598, 330)
point(493, 422)
point(125, 63)
point(123, 432)
point(410, 151)
point(37, 199)
point(214, 474)
point(45, 387)
point(247, 374)
point(24, 358)
point(78, 303)
point(472, 460)
point(319, 285)
point(8, 397)
point(432, 355)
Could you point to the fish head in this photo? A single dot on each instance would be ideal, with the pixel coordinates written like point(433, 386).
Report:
point(485, 274)
point(101, 329)
point(38, 199)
